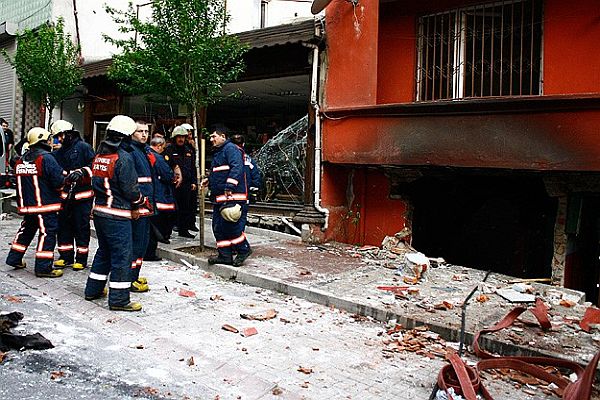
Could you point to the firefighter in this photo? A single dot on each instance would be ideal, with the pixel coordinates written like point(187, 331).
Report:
point(135, 145)
point(163, 177)
point(180, 154)
point(253, 175)
point(227, 185)
point(74, 218)
point(39, 180)
point(118, 201)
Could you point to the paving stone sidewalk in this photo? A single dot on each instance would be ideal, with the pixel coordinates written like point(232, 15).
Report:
point(341, 276)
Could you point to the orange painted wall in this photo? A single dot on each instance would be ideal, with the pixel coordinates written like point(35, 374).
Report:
point(397, 56)
point(571, 55)
point(352, 53)
point(360, 210)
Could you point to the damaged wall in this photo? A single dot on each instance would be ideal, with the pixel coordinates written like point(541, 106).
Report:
point(361, 210)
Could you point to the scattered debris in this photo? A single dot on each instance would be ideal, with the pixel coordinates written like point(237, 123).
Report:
point(367, 248)
point(401, 290)
point(263, 316)
point(190, 361)
point(531, 280)
point(186, 293)
point(230, 328)
point(56, 375)
point(592, 316)
point(523, 288)
point(148, 391)
point(249, 332)
point(12, 299)
point(216, 297)
point(418, 340)
point(305, 370)
point(515, 297)
point(482, 298)
point(2, 356)
point(277, 391)
point(9, 340)
point(304, 385)
point(567, 303)
point(444, 305)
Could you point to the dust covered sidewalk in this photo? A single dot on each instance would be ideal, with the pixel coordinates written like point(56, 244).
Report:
point(366, 281)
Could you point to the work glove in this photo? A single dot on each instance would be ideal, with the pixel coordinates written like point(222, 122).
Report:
point(142, 202)
point(148, 205)
point(253, 194)
point(74, 177)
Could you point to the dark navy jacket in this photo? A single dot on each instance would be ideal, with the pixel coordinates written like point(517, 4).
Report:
point(253, 174)
point(39, 180)
point(228, 174)
point(115, 184)
point(185, 157)
point(144, 171)
point(163, 181)
point(75, 155)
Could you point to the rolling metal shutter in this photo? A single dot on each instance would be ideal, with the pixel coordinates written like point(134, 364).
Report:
point(8, 82)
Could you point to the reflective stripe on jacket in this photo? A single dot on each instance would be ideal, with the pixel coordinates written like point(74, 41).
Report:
point(115, 185)
point(227, 173)
point(39, 180)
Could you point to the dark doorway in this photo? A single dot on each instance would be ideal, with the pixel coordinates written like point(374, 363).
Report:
point(501, 223)
point(582, 270)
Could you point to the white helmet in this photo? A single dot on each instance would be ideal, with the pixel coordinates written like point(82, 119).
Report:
point(231, 213)
point(60, 126)
point(179, 131)
point(37, 134)
point(122, 124)
point(187, 127)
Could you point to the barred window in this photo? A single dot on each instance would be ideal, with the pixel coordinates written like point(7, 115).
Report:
point(480, 51)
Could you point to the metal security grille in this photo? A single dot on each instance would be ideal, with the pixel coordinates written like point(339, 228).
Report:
point(481, 51)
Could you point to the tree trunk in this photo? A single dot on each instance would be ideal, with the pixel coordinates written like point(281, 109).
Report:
point(199, 120)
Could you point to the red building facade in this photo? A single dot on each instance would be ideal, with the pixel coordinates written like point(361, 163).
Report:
point(476, 124)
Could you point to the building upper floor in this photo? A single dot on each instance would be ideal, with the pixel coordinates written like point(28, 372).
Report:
point(87, 21)
point(455, 51)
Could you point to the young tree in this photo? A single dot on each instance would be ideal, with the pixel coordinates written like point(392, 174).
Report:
point(47, 64)
point(182, 52)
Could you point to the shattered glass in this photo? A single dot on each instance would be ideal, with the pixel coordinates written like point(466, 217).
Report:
point(282, 161)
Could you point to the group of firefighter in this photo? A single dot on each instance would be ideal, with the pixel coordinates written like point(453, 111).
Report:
point(131, 191)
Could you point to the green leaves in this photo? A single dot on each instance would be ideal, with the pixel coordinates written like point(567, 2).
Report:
point(47, 64)
point(182, 52)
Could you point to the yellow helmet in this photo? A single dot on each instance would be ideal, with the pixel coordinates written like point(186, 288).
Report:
point(231, 213)
point(37, 134)
point(122, 124)
point(60, 126)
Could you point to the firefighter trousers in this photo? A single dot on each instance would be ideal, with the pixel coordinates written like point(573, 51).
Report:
point(111, 261)
point(74, 232)
point(140, 230)
point(230, 236)
point(47, 226)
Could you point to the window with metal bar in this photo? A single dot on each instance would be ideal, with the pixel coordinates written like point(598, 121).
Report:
point(481, 51)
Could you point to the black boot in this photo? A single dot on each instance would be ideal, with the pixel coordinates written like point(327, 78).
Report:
point(186, 234)
point(240, 258)
point(219, 260)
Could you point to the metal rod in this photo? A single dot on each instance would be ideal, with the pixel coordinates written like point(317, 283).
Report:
point(463, 316)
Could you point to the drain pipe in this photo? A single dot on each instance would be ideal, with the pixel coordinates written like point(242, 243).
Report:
point(318, 150)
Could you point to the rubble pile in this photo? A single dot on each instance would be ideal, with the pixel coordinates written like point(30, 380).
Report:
point(419, 340)
point(397, 253)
